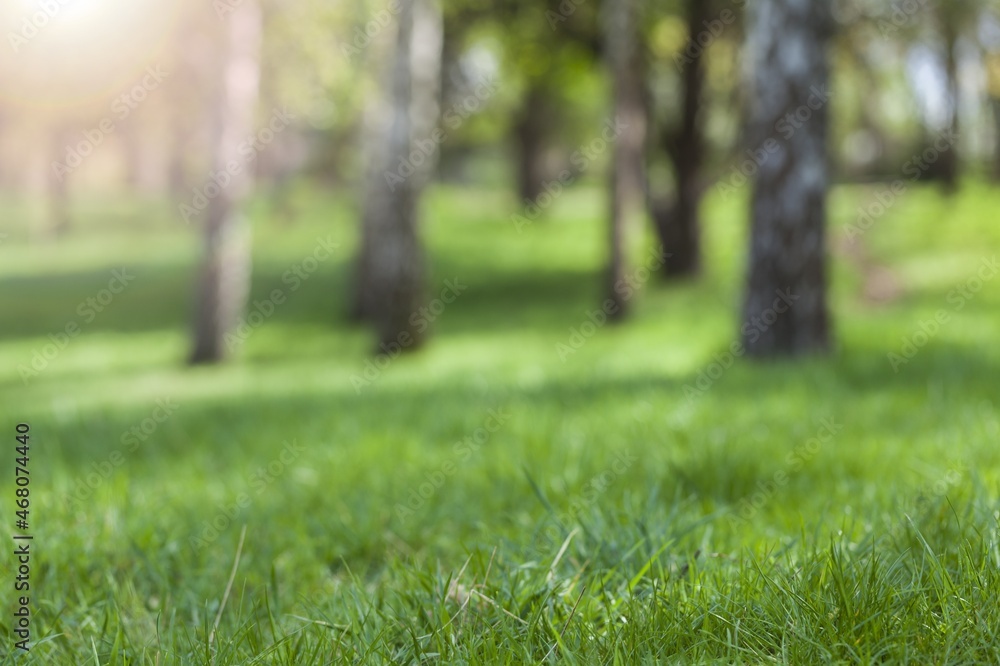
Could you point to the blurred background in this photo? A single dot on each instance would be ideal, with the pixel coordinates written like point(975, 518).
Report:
point(519, 87)
point(390, 284)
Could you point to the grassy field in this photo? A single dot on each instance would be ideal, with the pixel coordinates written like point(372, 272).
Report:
point(528, 487)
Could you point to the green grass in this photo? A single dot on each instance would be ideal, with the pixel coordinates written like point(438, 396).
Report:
point(610, 518)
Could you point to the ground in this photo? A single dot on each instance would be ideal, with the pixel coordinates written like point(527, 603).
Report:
point(528, 487)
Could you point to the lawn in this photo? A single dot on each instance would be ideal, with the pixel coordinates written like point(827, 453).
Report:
point(526, 488)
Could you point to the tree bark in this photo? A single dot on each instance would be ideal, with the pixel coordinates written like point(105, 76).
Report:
point(678, 224)
point(785, 312)
point(949, 158)
point(995, 104)
point(530, 132)
point(991, 59)
point(627, 178)
point(225, 273)
point(391, 265)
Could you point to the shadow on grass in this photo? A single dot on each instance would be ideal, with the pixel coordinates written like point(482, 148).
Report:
point(440, 410)
point(161, 297)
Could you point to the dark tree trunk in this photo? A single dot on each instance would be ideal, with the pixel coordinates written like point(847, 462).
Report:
point(678, 224)
point(225, 274)
point(391, 265)
point(627, 178)
point(530, 133)
point(949, 158)
point(362, 306)
point(455, 85)
point(785, 312)
point(995, 103)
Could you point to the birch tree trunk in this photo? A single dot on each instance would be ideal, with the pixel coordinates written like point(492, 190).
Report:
point(402, 151)
point(225, 273)
point(627, 186)
point(785, 312)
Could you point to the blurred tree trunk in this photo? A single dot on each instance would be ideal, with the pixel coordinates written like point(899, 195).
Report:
point(132, 152)
point(991, 59)
point(627, 181)
point(5, 170)
point(678, 223)
point(58, 199)
point(949, 158)
point(225, 273)
point(177, 176)
point(455, 84)
point(530, 131)
point(189, 91)
point(995, 103)
point(402, 154)
point(786, 310)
